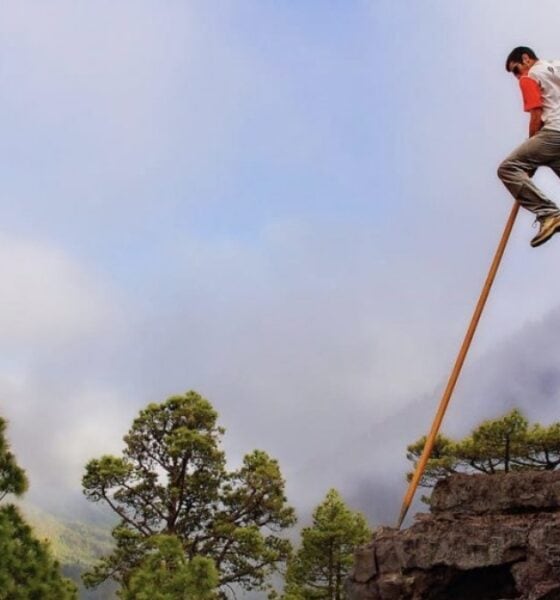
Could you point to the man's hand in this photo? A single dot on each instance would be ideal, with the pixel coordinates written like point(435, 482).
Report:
point(535, 123)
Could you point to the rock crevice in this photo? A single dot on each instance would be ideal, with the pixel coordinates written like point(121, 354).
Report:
point(487, 538)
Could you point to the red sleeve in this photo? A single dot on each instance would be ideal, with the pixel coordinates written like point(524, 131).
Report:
point(531, 94)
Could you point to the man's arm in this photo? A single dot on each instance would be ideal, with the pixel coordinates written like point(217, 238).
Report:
point(535, 122)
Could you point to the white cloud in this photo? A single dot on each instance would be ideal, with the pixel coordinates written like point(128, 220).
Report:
point(57, 318)
point(95, 425)
point(47, 298)
point(328, 286)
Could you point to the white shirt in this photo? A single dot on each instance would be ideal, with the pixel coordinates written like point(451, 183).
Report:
point(547, 74)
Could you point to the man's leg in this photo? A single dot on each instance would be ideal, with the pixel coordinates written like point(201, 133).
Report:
point(555, 164)
point(516, 170)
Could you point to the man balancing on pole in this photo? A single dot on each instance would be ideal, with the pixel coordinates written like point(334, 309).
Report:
point(540, 86)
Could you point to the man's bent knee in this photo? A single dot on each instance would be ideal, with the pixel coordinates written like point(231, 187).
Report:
point(512, 171)
point(505, 170)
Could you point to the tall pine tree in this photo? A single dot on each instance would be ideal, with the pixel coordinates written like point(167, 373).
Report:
point(318, 569)
point(172, 480)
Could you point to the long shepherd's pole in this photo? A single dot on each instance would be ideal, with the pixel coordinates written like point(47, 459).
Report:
point(420, 467)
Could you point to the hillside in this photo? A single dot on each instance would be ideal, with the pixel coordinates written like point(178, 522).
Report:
point(76, 545)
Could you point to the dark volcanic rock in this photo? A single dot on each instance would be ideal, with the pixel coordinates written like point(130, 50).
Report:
point(488, 538)
point(530, 491)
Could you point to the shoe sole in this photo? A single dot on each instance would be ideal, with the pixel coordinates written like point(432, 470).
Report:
point(544, 239)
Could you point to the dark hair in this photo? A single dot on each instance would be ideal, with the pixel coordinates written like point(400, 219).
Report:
point(516, 55)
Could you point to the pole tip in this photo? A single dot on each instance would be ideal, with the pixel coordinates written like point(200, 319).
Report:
point(402, 516)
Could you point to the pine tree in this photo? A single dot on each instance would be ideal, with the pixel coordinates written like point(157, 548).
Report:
point(318, 569)
point(172, 480)
point(508, 443)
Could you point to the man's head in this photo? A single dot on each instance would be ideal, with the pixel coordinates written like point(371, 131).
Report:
point(520, 60)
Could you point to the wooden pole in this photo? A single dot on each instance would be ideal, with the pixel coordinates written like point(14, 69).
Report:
point(421, 466)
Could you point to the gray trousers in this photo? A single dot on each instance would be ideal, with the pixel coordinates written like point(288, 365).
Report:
point(543, 149)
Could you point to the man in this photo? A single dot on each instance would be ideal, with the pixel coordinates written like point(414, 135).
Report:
point(539, 81)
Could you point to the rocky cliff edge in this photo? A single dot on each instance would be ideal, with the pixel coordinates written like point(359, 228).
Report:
point(486, 538)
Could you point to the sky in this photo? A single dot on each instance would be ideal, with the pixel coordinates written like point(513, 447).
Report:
point(289, 207)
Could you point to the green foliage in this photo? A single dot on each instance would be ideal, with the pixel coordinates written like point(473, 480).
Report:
point(442, 461)
point(320, 566)
point(505, 444)
point(165, 574)
point(27, 569)
point(12, 477)
point(172, 480)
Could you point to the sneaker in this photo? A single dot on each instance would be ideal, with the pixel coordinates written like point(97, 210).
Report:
point(548, 227)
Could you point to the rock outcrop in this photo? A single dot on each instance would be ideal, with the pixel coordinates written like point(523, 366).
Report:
point(487, 538)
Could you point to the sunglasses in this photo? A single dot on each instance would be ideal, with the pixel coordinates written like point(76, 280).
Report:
point(516, 70)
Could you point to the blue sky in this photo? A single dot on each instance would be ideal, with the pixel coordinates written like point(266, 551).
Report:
point(289, 207)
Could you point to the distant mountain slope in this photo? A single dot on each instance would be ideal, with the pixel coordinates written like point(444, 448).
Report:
point(71, 542)
point(76, 545)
